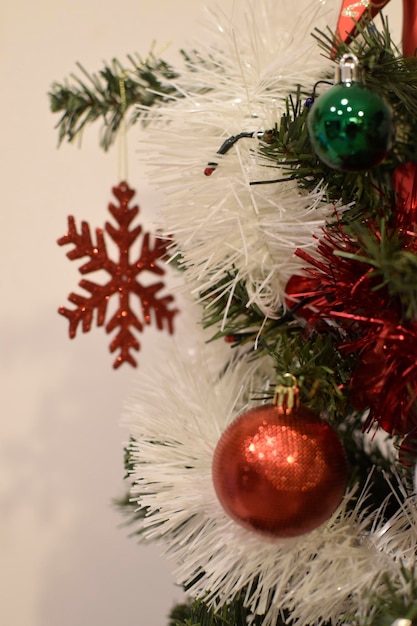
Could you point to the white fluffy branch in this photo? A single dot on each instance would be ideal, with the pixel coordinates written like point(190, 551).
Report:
point(176, 420)
point(239, 82)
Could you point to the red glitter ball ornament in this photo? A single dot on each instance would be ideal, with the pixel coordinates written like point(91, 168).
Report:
point(298, 293)
point(278, 471)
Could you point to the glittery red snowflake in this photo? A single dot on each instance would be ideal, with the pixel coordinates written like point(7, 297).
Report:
point(123, 280)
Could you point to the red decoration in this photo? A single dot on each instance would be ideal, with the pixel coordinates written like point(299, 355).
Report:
point(335, 285)
point(342, 287)
point(343, 290)
point(298, 292)
point(278, 471)
point(385, 378)
point(123, 278)
point(409, 28)
point(354, 11)
point(405, 184)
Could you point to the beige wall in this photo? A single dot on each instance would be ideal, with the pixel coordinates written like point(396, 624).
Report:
point(63, 559)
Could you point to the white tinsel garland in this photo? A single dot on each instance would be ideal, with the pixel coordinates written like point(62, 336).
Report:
point(239, 82)
point(176, 419)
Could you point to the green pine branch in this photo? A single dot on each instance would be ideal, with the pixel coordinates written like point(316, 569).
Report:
point(312, 358)
point(393, 263)
point(244, 320)
point(289, 147)
point(131, 513)
point(399, 599)
point(384, 71)
point(128, 508)
point(317, 366)
point(384, 68)
point(110, 96)
point(197, 613)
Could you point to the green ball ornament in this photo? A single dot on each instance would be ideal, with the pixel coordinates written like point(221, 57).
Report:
point(350, 126)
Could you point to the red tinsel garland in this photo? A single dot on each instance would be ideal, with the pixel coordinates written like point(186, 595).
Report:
point(340, 288)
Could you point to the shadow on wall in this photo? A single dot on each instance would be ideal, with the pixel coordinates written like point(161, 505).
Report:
point(61, 463)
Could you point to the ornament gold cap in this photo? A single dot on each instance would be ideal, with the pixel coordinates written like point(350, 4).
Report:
point(348, 69)
point(287, 396)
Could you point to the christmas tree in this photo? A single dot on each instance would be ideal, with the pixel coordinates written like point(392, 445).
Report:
point(274, 459)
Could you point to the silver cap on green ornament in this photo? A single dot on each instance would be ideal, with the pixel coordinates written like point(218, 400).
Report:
point(348, 69)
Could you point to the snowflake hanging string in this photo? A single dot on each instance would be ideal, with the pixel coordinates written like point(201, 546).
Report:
point(317, 576)
point(123, 281)
point(239, 82)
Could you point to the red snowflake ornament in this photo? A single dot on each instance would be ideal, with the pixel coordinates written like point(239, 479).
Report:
point(124, 279)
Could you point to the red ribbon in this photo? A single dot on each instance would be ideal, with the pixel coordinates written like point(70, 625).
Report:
point(405, 185)
point(353, 12)
point(409, 27)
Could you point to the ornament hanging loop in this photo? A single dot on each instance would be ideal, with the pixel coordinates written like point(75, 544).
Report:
point(287, 396)
point(123, 150)
point(348, 69)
